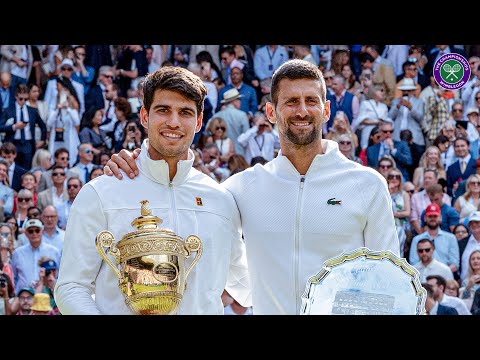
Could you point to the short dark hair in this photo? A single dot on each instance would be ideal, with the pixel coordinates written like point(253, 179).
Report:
point(440, 280)
point(178, 79)
point(297, 69)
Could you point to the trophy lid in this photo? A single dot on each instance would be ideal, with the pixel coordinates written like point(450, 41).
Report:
point(146, 220)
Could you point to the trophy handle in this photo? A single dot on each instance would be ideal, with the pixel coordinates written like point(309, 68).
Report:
point(105, 239)
point(193, 243)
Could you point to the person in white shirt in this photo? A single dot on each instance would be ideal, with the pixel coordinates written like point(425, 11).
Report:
point(187, 201)
point(428, 265)
point(439, 283)
point(309, 203)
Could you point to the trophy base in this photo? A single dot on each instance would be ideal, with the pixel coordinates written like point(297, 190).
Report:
point(154, 302)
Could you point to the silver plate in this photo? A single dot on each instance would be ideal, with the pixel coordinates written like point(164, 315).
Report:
point(365, 282)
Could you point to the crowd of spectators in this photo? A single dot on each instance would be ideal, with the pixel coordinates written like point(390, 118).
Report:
point(64, 109)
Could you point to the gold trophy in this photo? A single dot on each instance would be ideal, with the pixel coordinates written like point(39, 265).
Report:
point(150, 264)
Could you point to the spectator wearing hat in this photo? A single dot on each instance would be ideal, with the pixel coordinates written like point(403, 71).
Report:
point(25, 265)
point(66, 71)
point(450, 216)
point(409, 72)
point(473, 243)
point(236, 119)
point(48, 277)
point(446, 244)
point(23, 302)
point(407, 112)
point(41, 305)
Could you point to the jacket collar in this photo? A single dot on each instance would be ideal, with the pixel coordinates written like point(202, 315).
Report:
point(321, 161)
point(158, 171)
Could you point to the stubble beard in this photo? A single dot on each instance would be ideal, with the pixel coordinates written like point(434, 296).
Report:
point(304, 138)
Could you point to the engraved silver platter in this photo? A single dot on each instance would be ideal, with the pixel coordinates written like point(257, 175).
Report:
point(365, 282)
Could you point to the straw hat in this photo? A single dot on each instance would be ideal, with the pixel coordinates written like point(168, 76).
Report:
point(41, 302)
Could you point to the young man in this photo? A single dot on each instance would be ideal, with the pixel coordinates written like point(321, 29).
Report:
point(188, 202)
point(290, 223)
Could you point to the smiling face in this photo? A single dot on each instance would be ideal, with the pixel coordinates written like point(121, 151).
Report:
point(172, 122)
point(299, 113)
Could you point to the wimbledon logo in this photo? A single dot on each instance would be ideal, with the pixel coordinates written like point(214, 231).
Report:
point(451, 71)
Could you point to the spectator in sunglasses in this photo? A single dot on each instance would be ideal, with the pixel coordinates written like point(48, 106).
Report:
point(25, 257)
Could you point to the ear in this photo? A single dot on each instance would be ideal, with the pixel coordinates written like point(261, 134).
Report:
point(198, 126)
point(327, 111)
point(270, 112)
point(144, 117)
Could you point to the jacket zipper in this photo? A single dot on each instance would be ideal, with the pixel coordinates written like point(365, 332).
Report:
point(173, 207)
point(297, 241)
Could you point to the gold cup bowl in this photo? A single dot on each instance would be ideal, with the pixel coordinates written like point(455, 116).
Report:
point(150, 264)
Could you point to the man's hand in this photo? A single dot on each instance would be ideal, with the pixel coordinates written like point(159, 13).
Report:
point(124, 160)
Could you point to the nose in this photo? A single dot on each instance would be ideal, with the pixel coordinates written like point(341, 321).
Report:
point(174, 120)
point(302, 109)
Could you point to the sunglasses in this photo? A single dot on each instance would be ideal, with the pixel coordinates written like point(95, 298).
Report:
point(58, 174)
point(390, 177)
point(31, 231)
point(108, 76)
point(87, 151)
point(344, 142)
point(427, 250)
point(387, 131)
point(66, 69)
point(24, 199)
point(64, 158)
point(220, 128)
point(385, 166)
point(328, 77)
point(411, 191)
point(476, 183)
point(72, 186)
point(457, 110)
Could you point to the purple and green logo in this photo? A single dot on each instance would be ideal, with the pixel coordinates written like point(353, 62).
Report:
point(451, 71)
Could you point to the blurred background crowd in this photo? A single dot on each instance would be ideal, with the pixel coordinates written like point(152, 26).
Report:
point(64, 109)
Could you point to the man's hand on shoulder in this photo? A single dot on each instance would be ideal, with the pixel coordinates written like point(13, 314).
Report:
point(124, 160)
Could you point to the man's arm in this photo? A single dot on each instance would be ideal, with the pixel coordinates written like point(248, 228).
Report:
point(80, 259)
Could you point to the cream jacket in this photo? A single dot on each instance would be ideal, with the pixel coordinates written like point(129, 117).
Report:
point(290, 228)
point(192, 203)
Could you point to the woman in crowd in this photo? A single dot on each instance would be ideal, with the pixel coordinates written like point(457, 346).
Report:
point(133, 135)
point(370, 113)
point(351, 83)
point(345, 145)
point(429, 160)
point(24, 201)
point(41, 162)
point(472, 281)
point(217, 133)
point(63, 123)
point(400, 203)
point(91, 133)
point(469, 202)
point(341, 126)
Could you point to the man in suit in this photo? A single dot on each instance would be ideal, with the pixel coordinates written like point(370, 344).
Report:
point(462, 168)
point(18, 122)
point(399, 150)
point(96, 96)
point(438, 51)
point(57, 193)
point(9, 152)
point(433, 307)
